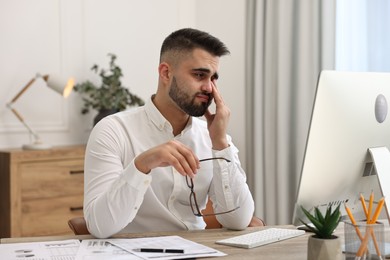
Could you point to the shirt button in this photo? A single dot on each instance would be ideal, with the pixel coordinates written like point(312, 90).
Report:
point(136, 208)
point(146, 182)
point(226, 187)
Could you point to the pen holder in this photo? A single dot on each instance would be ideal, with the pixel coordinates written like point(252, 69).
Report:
point(364, 241)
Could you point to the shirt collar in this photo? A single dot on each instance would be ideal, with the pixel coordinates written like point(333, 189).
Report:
point(154, 114)
point(158, 119)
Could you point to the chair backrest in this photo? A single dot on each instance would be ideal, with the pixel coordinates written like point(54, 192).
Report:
point(211, 221)
point(79, 226)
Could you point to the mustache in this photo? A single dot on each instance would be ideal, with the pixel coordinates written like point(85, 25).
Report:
point(209, 95)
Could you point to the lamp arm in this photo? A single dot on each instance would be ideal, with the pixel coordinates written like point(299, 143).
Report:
point(21, 92)
point(21, 119)
point(17, 114)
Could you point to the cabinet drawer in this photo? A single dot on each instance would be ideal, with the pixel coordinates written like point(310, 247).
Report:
point(51, 179)
point(50, 216)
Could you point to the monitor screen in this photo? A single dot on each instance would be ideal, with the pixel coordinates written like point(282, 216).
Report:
point(349, 117)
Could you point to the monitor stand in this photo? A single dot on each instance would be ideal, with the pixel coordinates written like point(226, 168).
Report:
point(381, 159)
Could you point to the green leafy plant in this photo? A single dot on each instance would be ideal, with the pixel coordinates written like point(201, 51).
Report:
point(110, 95)
point(324, 226)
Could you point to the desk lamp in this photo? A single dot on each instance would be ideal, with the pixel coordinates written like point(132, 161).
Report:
point(56, 83)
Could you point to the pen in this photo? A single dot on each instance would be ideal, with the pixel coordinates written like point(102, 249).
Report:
point(159, 250)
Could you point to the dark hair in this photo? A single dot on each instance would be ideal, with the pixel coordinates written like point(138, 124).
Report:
point(188, 39)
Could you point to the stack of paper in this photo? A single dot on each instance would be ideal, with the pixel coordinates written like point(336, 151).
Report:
point(164, 248)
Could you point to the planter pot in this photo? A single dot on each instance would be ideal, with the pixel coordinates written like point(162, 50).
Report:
point(103, 113)
point(324, 249)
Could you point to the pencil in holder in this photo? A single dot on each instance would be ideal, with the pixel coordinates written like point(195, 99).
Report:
point(364, 241)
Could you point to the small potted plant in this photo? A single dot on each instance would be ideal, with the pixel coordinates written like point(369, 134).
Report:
point(111, 96)
point(323, 244)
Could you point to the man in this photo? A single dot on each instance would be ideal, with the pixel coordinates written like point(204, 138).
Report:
point(143, 167)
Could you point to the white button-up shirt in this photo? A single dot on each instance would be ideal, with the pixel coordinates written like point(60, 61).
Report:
point(118, 198)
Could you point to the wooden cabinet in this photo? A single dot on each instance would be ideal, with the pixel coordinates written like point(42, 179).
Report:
point(40, 190)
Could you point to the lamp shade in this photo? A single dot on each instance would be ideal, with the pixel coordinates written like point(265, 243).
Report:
point(59, 84)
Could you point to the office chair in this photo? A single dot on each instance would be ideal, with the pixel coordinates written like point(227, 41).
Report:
point(79, 226)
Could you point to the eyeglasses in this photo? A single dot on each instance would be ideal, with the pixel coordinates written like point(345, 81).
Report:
point(194, 203)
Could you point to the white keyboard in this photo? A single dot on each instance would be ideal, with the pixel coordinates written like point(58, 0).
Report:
point(262, 237)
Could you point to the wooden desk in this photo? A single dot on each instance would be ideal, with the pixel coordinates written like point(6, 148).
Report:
point(292, 249)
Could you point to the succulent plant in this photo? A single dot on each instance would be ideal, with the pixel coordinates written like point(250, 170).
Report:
point(323, 226)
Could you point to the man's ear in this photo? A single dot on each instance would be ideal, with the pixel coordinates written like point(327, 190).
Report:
point(164, 70)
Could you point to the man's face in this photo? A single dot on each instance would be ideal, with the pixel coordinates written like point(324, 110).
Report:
point(186, 100)
point(191, 87)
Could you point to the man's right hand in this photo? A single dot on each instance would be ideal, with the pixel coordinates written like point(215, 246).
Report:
point(173, 154)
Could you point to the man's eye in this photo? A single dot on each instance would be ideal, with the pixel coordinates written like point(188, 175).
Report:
point(199, 75)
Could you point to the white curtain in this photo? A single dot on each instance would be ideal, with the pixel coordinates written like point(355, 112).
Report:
point(288, 43)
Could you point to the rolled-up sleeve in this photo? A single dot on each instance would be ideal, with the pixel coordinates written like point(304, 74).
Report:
point(230, 190)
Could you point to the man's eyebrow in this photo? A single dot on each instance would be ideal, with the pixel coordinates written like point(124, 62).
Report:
point(215, 76)
point(201, 70)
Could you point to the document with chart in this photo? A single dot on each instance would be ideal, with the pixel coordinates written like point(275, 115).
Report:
point(102, 249)
point(50, 250)
point(165, 247)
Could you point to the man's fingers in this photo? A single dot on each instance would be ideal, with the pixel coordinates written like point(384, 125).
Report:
point(189, 156)
point(185, 165)
point(172, 153)
point(208, 115)
point(217, 96)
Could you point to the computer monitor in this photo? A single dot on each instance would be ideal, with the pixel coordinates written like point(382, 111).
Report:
point(349, 117)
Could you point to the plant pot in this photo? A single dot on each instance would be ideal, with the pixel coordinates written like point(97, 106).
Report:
point(324, 249)
point(103, 113)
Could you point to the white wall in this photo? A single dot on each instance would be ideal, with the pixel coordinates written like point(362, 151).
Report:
point(68, 36)
point(226, 19)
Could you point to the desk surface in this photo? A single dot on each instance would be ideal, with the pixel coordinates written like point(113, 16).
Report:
point(288, 249)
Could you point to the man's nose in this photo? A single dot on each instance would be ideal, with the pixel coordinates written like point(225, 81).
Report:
point(207, 86)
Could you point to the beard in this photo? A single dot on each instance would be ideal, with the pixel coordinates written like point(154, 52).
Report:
point(186, 102)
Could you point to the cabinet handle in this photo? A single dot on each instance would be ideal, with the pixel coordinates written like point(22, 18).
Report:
point(76, 172)
point(76, 208)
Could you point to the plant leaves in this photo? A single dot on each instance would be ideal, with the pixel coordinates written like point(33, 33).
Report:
point(111, 94)
point(323, 226)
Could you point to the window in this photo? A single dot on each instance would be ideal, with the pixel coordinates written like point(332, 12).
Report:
point(363, 35)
